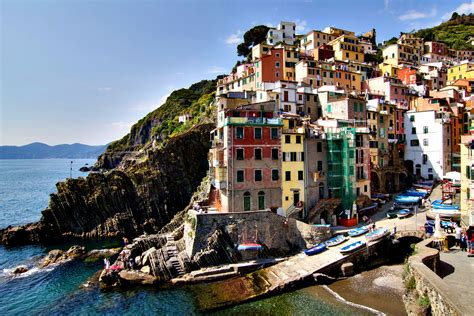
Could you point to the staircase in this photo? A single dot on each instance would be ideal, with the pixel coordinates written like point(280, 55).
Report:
point(172, 251)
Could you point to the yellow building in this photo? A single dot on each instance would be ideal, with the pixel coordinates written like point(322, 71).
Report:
point(293, 167)
point(465, 70)
point(347, 47)
point(467, 181)
point(389, 69)
point(290, 58)
point(398, 54)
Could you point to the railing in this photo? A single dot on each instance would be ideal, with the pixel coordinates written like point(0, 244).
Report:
point(253, 121)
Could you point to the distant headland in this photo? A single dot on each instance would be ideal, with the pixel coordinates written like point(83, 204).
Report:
point(44, 151)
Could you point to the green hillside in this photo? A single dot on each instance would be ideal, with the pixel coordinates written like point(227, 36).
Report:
point(455, 32)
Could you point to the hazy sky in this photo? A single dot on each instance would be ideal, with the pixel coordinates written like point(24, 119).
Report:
point(84, 71)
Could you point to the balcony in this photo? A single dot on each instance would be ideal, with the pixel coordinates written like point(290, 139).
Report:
point(297, 130)
point(253, 121)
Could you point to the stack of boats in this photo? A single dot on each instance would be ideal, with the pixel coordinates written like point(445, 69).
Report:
point(339, 239)
point(445, 209)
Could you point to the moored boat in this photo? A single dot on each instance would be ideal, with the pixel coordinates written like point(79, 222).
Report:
point(249, 246)
point(354, 246)
point(403, 213)
point(415, 193)
point(334, 241)
point(377, 234)
point(358, 231)
point(439, 205)
point(403, 198)
point(315, 250)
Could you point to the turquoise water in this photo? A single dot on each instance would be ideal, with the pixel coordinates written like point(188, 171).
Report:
point(25, 186)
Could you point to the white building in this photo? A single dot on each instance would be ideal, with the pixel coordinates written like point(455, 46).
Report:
point(284, 32)
point(428, 143)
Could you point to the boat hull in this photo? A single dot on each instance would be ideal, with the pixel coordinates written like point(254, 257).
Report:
point(357, 231)
point(249, 247)
point(335, 241)
point(377, 234)
point(315, 250)
point(352, 247)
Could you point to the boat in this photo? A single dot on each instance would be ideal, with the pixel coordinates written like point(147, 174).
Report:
point(322, 225)
point(358, 231)
point(415, 193)
point(334, 241)
point(392, 213)
point(249, 247)
point(354, 246)
point(403, 213)
point(315, 250)
point(439, 205)
point(402, 198)
point(377, 234)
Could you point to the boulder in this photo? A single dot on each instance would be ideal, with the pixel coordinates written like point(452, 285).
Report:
point(59, 256)
point(20, 269)
point(145, 269)
point(97, 254)
point(130, 277)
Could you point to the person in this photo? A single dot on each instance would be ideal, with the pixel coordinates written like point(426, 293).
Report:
point(457, 235)
point(464, 241)
point(125, 241)
point(106, 263)
point(394, 231)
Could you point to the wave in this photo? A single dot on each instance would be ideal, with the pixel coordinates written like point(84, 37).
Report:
point(30, 272)
point(343, 300)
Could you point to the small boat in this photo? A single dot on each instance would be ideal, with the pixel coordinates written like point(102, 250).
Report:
point(403, 213)
point(403, 198)
point(334, 241)
point(392, 213)
point(439, 205)
point(358, 231)
point(249, 247)
point(315, 250)
point(322, 225)
point(377, 234)
point(415, 193)
point(354, 246)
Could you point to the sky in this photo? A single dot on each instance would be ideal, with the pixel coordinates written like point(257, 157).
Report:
point(85, 71)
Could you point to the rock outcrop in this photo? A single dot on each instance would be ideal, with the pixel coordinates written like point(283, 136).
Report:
point(140, 196)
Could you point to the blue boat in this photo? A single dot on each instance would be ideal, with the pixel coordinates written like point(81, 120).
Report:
point(334, 241)
point(403, 213)
point(354, 246)
point(322, 225)
point(358, 231)
point(377, 234)
point(249, 247)
point(315, 250)
point(402, 198)
point(438, 204)
point(414, 193)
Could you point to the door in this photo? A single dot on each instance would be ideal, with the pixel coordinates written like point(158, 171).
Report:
point(261, 200)
point(296, 197)
point(247, 201)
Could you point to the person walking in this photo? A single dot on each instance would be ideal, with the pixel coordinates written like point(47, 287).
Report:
point(464, 241)
point(457, 235)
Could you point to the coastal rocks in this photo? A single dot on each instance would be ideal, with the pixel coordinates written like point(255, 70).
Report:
point(97, 254)
point(141, 195)
point(58, 256)
point(129, 277)
point(20, 269)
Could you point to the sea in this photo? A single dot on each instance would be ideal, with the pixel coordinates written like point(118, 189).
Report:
point(25, 186)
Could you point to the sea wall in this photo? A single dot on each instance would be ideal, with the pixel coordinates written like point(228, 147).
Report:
point(279, 235)
point(422, 281)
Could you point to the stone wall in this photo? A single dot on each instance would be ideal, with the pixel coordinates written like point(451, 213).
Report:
point(279, 235)
point(422, 267)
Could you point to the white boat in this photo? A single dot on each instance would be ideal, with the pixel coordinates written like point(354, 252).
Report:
point(377, 234)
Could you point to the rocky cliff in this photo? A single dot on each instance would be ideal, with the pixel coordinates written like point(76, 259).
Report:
point(145, 179)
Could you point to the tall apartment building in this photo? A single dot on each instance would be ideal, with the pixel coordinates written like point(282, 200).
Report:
point(283, 33)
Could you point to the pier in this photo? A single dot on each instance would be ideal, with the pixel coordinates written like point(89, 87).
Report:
point(282, 276)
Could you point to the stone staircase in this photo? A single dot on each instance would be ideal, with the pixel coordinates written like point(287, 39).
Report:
point(172, 251)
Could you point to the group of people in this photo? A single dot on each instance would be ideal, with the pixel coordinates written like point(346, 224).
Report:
point(461, 237)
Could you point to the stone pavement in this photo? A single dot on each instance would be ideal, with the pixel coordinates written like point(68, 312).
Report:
point(457, 270)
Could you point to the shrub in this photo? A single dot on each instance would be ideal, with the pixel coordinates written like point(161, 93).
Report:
point(424, 301)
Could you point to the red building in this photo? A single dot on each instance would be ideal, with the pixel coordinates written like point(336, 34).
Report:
point(271, 66)
point(409, 76)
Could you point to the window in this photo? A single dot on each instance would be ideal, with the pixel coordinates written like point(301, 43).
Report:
point(319, 147)
point(287, 139)
point(258, 133)
point(239, 133)
point(425, 158)
point(261, 200)
point(293, 156)
point(240, 154)
point(414, 143)
point(329, 108)
point(274, 133)
point(425, 129)
point(412, 118)
point(247, 201)
point(320, 165)
point(277, 64)
point(258, 154)
point(468, 172)
point(300, 174)
point(298, 139)
point(287, 175)
point(258, 175)
point(425, 142)
point(240, 176)
point(275, 153)
point(275, 175)
point(413, 130)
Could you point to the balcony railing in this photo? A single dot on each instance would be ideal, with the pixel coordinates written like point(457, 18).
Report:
point(253, 121)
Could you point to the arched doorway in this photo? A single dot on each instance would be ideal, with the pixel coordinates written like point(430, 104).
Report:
point(375, 182)
point(418, 170)
point(247, 201)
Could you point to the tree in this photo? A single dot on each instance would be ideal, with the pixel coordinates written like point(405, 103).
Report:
point(252, 37)
point(454, 16)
